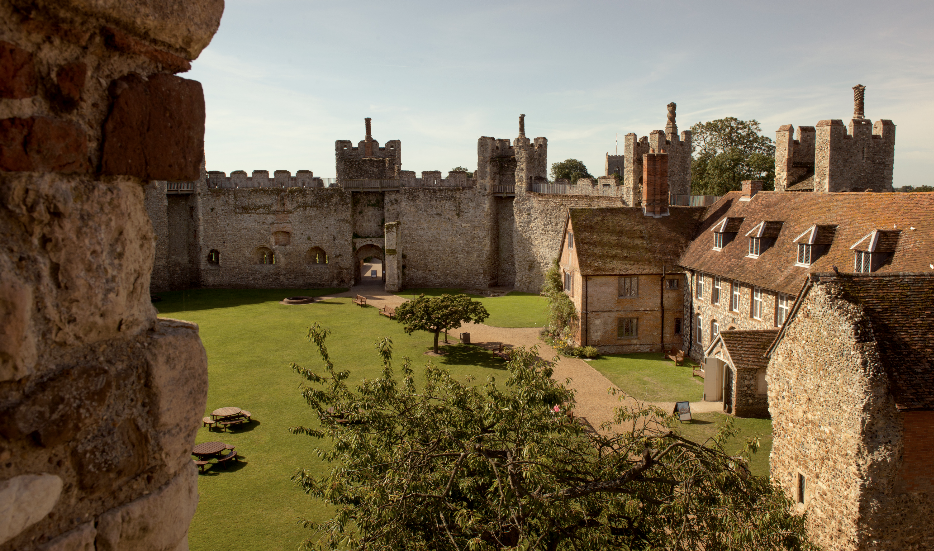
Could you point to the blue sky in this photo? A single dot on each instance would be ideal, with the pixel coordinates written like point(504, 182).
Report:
point(284, 79)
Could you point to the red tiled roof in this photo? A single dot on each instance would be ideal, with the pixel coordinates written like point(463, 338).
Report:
point(901, 312)
point(747, 348)
point(612, 241)
point(854, 214)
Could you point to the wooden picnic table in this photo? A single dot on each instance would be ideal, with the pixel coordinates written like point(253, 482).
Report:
point(209, 449)
point(225, 412)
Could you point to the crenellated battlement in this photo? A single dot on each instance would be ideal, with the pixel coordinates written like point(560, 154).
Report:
point(833, 157)
point(281, 179)
point(668, 141)
point(368, 160)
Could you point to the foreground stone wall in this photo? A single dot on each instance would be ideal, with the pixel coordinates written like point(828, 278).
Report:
point(99, 401)
point(834, 421)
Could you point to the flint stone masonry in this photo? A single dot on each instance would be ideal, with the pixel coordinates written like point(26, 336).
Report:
point(94, 389)
point(835, 421)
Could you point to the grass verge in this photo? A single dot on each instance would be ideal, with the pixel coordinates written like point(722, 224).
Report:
point(705, 425)
point(650, 377)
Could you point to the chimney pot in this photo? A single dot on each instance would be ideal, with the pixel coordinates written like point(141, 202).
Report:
point(752, 187)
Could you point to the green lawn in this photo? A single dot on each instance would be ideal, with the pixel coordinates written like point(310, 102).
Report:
point(250, 340)
point(513, 310)
point(705, 425)
point(650, 377)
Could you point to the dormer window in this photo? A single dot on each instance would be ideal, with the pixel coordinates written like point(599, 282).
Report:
point(724, 231)
point(762, 237)
point(813, 243)
point(874, 250)
point(755, 246)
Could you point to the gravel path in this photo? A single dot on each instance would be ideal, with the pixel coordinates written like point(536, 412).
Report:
point(596, 400)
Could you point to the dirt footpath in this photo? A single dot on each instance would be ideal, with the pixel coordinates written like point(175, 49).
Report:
point(593, 391)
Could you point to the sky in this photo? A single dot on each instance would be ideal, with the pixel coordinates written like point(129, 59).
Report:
point(284, 79)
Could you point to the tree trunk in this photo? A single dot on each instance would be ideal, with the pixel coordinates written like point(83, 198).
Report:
point(437, 333)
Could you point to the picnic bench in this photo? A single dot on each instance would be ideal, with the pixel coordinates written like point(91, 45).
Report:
point(387, 311)
point(360, 300)
point(220, 452)
point(227, 417)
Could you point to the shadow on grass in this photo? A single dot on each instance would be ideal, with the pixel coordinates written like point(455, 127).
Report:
point(207, 299)
point(697, 422)
point(468, 354)
point(232, 466)
point(244, 427)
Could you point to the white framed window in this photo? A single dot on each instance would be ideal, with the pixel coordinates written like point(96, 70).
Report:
point(628, 286)
point(805, 254)
point(672, 284)
point(715, 293)
point(699, 286)
point(781, 309)
point(863, 262)
point(714, 330)
point(627, 328)
point(756, 306)
point(734, 297)
point(755, 246)
point(700, 329)
point(717, 241)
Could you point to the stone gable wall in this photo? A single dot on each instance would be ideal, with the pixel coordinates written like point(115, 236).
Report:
point(100, 400)
point(835, 422)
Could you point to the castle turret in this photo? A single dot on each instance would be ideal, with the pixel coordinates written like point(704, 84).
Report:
point(679, 151)
point(531, 159)
point(368, 161)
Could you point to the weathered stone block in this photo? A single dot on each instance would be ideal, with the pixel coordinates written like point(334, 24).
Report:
point(25, 500)
point(182, 24)
point(179, 379)
point(17, 72)
point(155, 130)
point(42, 144)
point(79, 539)
point(157, 522)
point(17, 337)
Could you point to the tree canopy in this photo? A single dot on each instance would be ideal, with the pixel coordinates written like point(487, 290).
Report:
point(462, 169)
point(562, 315)
point(570, 170)
point(454, 465)
point(437, 314)
point(728, 151)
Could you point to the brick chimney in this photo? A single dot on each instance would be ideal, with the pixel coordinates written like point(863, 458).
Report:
point(655, 184)
point(751, 188)
point(368, 143)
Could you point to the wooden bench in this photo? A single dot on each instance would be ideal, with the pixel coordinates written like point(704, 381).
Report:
point(387, 311)
point(360, 300)
point(228, 457)
point(201, 464)
point(676, 356)
point(208, 422)
point(227, 423)
point(697, 372)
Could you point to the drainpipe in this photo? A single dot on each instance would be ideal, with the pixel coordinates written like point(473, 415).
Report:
point(584, 310)
point(661, 302)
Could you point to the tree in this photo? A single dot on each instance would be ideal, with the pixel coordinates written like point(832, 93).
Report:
point(562, 316)
point(453, 465)
point(462, 169)
point(728, 151)
point(570, 170)
point(437, 314)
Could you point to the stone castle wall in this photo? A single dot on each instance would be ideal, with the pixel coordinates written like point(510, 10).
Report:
point(539, 231)
point(100, 400)
point(857, 158)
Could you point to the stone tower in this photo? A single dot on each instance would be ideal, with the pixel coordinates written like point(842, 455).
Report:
point(531, 159)
point(368, 161)
point(833, 157)
point(659, 141)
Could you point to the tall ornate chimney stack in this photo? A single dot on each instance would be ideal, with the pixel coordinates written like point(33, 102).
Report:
point(671, 129)
point(858, 92)
point(368, 150)
point(521, 126)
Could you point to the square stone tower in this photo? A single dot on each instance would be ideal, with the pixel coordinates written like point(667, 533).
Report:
point(368, 161)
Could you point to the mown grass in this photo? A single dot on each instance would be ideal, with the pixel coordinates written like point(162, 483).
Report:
point(650, 377)
point(705, 425)
point(250, 340)
point(513, 310)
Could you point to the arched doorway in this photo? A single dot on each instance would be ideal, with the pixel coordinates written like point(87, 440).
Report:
point(368, 265)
